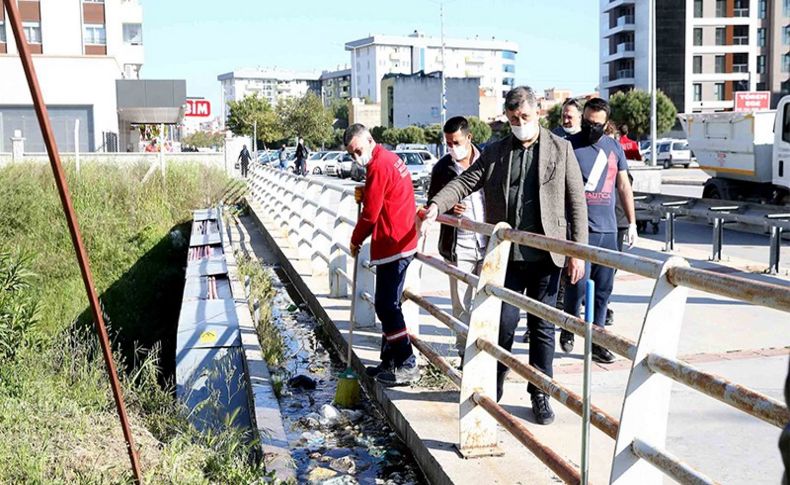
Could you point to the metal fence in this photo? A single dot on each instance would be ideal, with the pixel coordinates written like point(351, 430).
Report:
point(317, 219)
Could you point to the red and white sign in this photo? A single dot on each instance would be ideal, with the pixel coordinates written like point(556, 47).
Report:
point(752, 101)
point(198, 108)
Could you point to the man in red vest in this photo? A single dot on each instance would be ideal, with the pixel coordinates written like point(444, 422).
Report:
point(630, 147)
point(388, 213)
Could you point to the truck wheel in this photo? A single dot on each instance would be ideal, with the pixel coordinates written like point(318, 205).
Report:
point(667, 164)
point(711, 192)
point(686, 165)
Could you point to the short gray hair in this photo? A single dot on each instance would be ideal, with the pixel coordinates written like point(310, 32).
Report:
point(353, 131)
point(519, 96)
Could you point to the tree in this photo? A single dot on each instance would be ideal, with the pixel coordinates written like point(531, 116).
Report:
point(632, 108)
point(390, 136)
point(377, 132)
point(480, 130)
point(243, 115)
point(433, 133)
point(204, 139)
point(339, 109)
point(554, 116)
point(306, 117)
point(337, 138)
point(411, 134)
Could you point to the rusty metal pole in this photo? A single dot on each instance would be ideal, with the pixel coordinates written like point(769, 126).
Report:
point(71, 219)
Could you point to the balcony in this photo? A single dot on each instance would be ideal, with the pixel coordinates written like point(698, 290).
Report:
point(741, 12)
point(740, 40)
point(620, 77)
point(740, 68)
point(613, 4)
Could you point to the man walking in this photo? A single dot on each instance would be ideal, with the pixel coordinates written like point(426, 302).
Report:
point(531, 180)
point(571, 119)
point(604, 169)
point(282, 156)
point(301, 158)
point(245, 158)
point(630, 147)
point(388, 214)
point(464, 249)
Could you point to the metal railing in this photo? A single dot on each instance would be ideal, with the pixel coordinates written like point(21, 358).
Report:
point(640, 432)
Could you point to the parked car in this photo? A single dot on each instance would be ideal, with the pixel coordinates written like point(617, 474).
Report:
point(344, 164)
point(314, 162)
point(419, 169)
point(331, 163)
point(674, 152)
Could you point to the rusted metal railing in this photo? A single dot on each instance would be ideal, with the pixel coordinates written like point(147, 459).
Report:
point(640, 432)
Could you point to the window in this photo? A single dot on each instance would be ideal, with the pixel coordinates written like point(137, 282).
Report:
point(787, 8)
point(697, 68)
point(740, 35)
point(741, 8)
point(697, 8)
point(32, 32)
point(2, 31)
point(664, 148)
point(133, 34)
point(760, 64)
point(762, 9)
point(786, 36)
point(721, 36)
point(740, 62)
point(509, 68)
point(509, 55)
point(786, 63)
point(697, 36)
point(697, 92)
point(718, 91)
point(721, 8)
point(786, 130)
point(95, 35)
point(761, 37)
point(719, 64)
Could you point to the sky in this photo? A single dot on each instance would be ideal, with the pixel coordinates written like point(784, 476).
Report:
point(197, 40)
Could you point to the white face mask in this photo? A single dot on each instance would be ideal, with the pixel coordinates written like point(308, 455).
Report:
point(526, 131)
point(572, 130)
point(365, 158)
point(458, 152)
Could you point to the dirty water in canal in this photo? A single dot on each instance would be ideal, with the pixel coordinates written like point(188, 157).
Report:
point(329, 445)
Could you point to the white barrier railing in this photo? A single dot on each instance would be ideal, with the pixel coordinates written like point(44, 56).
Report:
point(639, 434)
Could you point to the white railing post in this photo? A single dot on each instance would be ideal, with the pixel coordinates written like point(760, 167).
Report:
point(303, 230)
point(324, 225)
point(294, 204)
point(312, 230)
point(646, 405)
point(364, 312)
point(478, 429)
point(338, 260)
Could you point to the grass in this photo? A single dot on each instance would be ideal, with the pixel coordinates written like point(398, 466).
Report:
point(57, 418)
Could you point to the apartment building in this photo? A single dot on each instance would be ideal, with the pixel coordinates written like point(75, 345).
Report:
point(492, 61)
point(270, 83)
point(706, 50)
point(82, 47)
point(335, 85)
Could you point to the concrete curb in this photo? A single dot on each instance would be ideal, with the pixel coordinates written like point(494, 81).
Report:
point(264, 405)
point(686, 182)
point(428, 464)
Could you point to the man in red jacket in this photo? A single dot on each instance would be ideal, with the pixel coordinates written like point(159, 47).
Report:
point(388, 213)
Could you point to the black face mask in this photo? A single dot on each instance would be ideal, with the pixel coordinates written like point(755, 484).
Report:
point(592, 131)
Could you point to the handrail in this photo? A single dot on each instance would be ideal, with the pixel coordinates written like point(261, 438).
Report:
point(651, 356)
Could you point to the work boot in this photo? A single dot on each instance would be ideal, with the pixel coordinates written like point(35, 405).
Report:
point(602, 355)
point(403, 375)
point(500, 384)
point(609, 317)
point(541, 408)
point(566, 341)
point(384, 366)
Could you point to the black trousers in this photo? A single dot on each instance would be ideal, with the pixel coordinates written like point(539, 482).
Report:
point(395, 342)
point(540, 281)
point(244, 168)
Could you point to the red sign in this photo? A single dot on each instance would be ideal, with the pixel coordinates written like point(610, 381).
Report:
point(198, 108)
point(752, 101)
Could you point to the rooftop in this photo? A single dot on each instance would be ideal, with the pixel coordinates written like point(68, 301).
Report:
point(418, 39)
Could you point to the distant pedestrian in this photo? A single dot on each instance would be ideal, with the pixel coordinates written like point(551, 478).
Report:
point(571, 119)
point(301, 158)
point(630, 147)
point(388, 214)
point(463, 249)
point(604, 170)
point(282, 156)
point(245, 158)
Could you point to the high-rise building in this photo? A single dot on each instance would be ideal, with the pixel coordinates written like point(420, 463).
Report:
point(270, 83)
point(81, 48)
point(335, 85)
point(493, 61)
point(706, 50)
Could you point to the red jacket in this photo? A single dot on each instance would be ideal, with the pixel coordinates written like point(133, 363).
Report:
point(388, 209)
point(631, 148)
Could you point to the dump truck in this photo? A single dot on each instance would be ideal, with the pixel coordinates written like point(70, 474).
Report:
point(747, 154)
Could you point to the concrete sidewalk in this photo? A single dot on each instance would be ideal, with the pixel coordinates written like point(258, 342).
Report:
point(744, 343)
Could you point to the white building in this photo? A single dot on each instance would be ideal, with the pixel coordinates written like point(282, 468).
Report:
point(273, 84)
point(492, 61)
point(81, 48)
point(706, 50)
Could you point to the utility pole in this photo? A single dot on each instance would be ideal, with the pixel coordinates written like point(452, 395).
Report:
point(653, 103)
point(255, 138)
point(444, 82)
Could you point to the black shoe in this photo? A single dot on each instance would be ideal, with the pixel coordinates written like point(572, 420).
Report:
point(609, 317)
point(407, 373)
point(541, 408)
point(374, 371)
point(525, 339)
point(566, 341)
point(500, 384)
point(602, 355)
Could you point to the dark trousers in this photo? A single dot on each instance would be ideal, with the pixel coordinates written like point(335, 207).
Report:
point(395, 343)
point(244, 167)
point(601, 275)
point(540, 281)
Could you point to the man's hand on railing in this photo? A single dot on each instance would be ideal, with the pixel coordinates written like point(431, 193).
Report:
point(459, 209)
point(425, 217)
point(575, 270)
point(354, 249)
